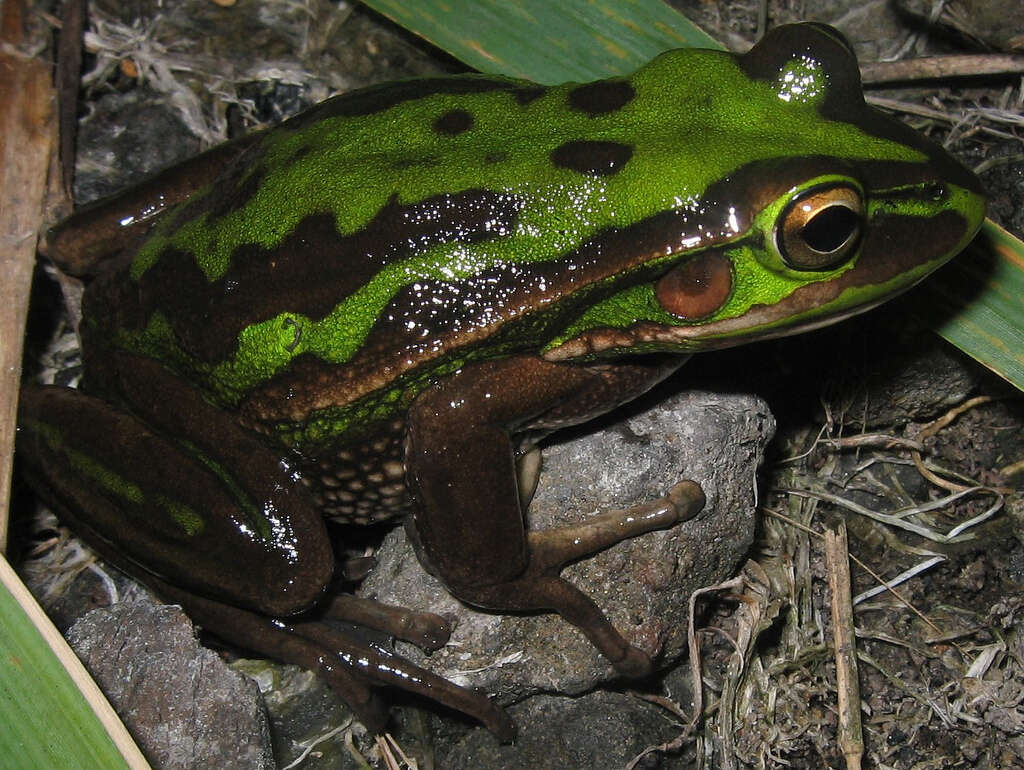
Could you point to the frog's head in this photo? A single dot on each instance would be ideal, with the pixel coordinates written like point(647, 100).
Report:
point(828, 208)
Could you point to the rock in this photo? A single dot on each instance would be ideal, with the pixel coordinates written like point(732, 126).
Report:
point(911, 375)
point(181, 702)
point(599, 730)
point(643, 585)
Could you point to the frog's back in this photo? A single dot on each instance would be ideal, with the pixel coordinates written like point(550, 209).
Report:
point(317, 247)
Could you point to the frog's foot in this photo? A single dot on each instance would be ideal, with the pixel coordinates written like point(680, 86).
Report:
point(424, 629)
point(350, 666)
point(540, 587)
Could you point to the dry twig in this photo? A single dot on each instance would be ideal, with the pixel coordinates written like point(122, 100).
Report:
point(844, 640)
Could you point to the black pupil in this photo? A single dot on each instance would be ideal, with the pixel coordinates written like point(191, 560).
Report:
point(830, 228)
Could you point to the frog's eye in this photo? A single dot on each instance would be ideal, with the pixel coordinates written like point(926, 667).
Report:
point(821, 227)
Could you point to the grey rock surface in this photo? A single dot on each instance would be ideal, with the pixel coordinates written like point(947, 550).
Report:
point(912, 375)
point(598, 731)
point(643, 585)
point(183, 705)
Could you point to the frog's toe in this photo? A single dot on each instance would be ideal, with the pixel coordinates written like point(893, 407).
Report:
point(634, 664)
point(351, 666)
point(426, 630)
point(551, 549)
point(687, 498)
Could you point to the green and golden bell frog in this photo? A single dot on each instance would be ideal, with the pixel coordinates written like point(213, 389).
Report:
point(360, 314)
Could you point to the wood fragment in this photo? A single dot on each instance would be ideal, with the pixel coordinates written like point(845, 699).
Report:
point(851, 737)
point(942, 68)
point(69, 68)
point(26, 139)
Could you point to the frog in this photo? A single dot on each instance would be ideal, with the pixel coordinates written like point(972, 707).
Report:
point(374, 311)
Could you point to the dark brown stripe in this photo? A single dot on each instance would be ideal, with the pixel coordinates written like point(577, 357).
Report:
point(510, 308)
point(311, 271)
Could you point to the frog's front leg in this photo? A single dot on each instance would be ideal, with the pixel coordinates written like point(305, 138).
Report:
point(468, 520)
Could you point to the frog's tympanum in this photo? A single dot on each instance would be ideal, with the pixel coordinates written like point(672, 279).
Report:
point(370, 311)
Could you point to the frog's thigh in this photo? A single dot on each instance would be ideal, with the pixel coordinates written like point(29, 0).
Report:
point(468, 519)
point(97, 234)
point(244, 532)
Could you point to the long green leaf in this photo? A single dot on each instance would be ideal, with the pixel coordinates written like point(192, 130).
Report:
point(976, 302)
point(551, 42)
point(45, 719)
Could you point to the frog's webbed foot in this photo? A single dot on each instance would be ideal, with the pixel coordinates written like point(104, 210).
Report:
point(351, 666)
point(550, 550)
point(541, 587)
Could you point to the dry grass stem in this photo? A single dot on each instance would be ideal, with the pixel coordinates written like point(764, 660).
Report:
point(891, 583)
point(898, 519)
point(390, 748)
point(308, 749)
point(883, 440)
point(884, 585)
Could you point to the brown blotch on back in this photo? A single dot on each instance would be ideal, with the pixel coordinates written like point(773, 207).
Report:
point(526, 94)
point(602, 97)
point(592, 157)
point(453, 122)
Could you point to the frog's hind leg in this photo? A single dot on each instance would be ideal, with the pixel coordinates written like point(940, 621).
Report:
point(178, 505)
point(148, 504)
point(349, 665)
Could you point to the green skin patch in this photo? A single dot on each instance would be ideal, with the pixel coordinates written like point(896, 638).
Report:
point(114, 484)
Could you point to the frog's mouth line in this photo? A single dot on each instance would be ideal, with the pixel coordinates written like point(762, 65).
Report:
point(798, 328)
point(690, 338)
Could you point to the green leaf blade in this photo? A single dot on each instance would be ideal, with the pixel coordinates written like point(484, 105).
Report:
point(978, 302)
point(45, 720)
point(548, 42)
